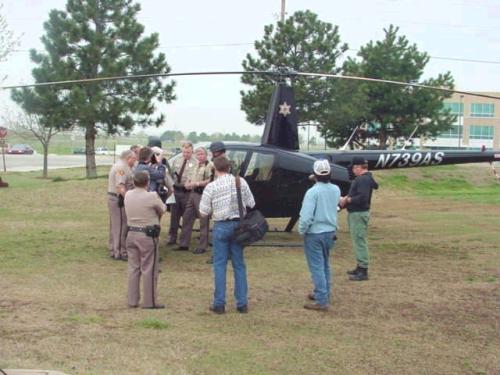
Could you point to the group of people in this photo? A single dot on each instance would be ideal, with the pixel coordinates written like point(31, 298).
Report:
point(142, 182)
point(139, 186)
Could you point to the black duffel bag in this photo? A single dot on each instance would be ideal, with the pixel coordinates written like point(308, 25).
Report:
point(253, 227)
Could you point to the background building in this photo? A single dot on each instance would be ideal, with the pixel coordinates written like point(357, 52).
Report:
point(477, 124)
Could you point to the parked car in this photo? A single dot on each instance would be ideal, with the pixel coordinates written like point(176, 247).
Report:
point(79, 151)
point(20, 149)
point(102, 151)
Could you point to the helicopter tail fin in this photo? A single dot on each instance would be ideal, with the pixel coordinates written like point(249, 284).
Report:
point(281, 121)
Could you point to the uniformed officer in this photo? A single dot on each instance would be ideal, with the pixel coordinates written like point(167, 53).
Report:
point(182, 169)
point(144, 210)
point(120, 180)
point(136, 149)
point(201, 177)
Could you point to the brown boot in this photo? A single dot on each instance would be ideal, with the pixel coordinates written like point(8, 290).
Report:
point(316, 306)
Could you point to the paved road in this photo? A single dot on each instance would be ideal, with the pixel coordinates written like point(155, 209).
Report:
point(24, 163)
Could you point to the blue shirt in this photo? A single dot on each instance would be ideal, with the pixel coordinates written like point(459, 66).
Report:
point(156, 174)
point(319, 209)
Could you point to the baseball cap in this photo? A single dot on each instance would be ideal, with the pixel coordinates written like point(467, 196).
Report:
point(321, 167)
point(358, 160)
point(217, 146)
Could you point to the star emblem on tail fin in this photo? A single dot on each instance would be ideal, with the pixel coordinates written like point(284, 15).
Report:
point(285, 109)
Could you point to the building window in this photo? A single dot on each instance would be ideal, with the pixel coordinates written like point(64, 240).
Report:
point(482, 110)
point(455, 108)
point(481, 132)
point(455, 131)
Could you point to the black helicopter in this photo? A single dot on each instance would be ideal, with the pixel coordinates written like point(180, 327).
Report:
point(278, 173)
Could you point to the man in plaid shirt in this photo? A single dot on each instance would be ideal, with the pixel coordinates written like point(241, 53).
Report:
point(219, 199)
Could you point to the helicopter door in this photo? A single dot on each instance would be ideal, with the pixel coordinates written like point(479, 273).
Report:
point(239, 161)
point(258, 174)
point(260, 167)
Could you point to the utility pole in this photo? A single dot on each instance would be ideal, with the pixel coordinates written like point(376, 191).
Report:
point(283, 6)
point(460, 121)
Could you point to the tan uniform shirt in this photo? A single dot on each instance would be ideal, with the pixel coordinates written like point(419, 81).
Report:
point(189, 170)
point(120, 174)
point(202, 172)
point(143, 208)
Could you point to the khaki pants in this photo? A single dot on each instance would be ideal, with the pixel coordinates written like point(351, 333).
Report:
point(117, 228)
point(192, 212)
point(142, 261)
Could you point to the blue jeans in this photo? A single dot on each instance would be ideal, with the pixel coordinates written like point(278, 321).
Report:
point(223, 246)
point(317, 248)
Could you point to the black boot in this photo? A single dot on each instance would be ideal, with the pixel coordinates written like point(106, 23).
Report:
point(362, 275)
point(354, 271)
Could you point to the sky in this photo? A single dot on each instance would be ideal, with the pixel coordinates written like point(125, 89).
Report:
point(216, 35)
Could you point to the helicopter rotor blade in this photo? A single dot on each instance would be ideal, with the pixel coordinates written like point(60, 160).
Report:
point(137, 76)
point(279, 74)
point(399, 83)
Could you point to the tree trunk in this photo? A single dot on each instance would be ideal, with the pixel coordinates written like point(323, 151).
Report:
point(45, 172)
point(382, 139)
point(90, 134)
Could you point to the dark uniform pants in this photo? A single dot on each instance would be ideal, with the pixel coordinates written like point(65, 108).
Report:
point(142, 261)
point(117, 228)
point(176, 213)
point(191, 212)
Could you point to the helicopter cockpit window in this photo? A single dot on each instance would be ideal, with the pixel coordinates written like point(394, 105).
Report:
point(237, 158)
point(260, 167)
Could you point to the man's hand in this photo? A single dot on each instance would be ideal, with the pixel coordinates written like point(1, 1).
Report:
point(344, 201)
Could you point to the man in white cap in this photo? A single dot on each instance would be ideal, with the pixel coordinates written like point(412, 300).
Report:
point(318, 224)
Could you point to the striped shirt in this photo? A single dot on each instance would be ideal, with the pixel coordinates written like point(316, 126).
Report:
point(219, 198)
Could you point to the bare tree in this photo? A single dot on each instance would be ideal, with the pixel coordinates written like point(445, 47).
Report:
point(7, 39)
point(28, 126)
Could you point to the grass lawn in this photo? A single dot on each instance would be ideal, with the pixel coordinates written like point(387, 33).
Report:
point(431, 306)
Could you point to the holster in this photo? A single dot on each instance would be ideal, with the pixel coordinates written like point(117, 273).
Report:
point(121, 201)
point(152, 231)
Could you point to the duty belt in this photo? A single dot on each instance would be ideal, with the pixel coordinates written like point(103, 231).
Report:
point(112, 194)
point(181, 188)
point(137, 229)
point(198, 190)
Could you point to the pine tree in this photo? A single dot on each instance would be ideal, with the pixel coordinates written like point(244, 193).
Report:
point(97, 38)
point(386, 111)
point(301, 43)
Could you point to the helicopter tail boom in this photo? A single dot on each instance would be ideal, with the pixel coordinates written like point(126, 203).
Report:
point(389, 159)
